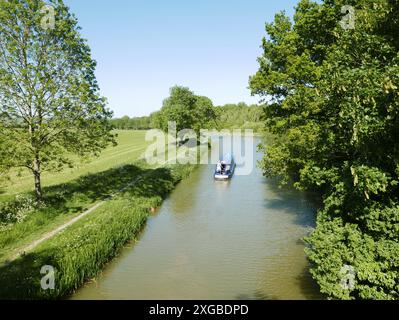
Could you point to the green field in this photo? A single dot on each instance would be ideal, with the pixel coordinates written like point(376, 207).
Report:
point(67, 194)
point(131, 145)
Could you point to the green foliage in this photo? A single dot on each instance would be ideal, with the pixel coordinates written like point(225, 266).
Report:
point(188, 110)
point(50, 106)
point(15, 211)
point(335, 119)
point(240, 116)
point(336, 243)
point(126, 123)
point(229, 116)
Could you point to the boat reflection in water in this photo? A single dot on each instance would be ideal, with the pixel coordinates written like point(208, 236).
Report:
point(225, 168)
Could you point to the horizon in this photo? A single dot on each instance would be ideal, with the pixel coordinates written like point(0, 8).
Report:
point(143, 49)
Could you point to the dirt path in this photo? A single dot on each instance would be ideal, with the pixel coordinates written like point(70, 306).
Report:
point(54, 232)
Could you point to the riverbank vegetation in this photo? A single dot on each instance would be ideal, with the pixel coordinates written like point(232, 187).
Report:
point(335, 122)
point(241, 116)
point(187, 110)
point(22, 220)
point(81, 251)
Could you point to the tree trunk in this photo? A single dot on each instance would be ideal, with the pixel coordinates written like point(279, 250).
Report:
point(38, 182)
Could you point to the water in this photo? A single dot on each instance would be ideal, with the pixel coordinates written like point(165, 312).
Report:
point(216, 240)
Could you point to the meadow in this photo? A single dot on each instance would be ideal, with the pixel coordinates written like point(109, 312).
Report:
point(131, 144)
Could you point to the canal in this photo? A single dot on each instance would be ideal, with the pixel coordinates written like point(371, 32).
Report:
point(216, 240)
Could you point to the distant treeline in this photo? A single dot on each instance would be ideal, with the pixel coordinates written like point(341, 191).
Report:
point(240, 116)
point(138, 123)
point(229, 116)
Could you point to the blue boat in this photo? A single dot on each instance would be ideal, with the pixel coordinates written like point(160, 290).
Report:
point(225, 168)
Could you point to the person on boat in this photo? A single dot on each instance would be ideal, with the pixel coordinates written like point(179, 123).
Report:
point(219, 167)
point(223, 167)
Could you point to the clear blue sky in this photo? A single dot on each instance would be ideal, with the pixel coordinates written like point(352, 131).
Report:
point(144, 47)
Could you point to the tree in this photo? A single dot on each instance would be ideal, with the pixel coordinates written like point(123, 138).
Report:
point(204, 114)
point(137, 123)
point(50, 105)
point(156, 120)
point(240, 116)
point(186, 109)
point(4, 155)
point(335, 122)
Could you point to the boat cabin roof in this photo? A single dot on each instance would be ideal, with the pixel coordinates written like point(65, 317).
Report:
point(227, 159)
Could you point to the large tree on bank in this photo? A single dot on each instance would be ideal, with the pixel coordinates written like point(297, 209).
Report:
point(335, 121)
point(50, 106)
point(187, 110)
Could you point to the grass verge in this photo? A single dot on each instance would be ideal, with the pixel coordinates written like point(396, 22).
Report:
point(81, 251)
point(61, 203)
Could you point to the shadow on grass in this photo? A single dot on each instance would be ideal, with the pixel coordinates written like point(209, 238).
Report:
point(100, 186)
point(158, 182)
point(73, 195)
point(21, 279)
point(90, 188)
point(69, 198)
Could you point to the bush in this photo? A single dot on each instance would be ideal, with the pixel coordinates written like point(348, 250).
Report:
point(16, 210)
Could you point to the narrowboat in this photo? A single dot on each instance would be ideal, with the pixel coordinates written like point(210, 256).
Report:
point(225, 168)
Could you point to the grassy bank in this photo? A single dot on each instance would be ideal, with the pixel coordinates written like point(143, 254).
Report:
point(81, 251)
point(131, 145)
point(66, 194)
point(21, 221)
